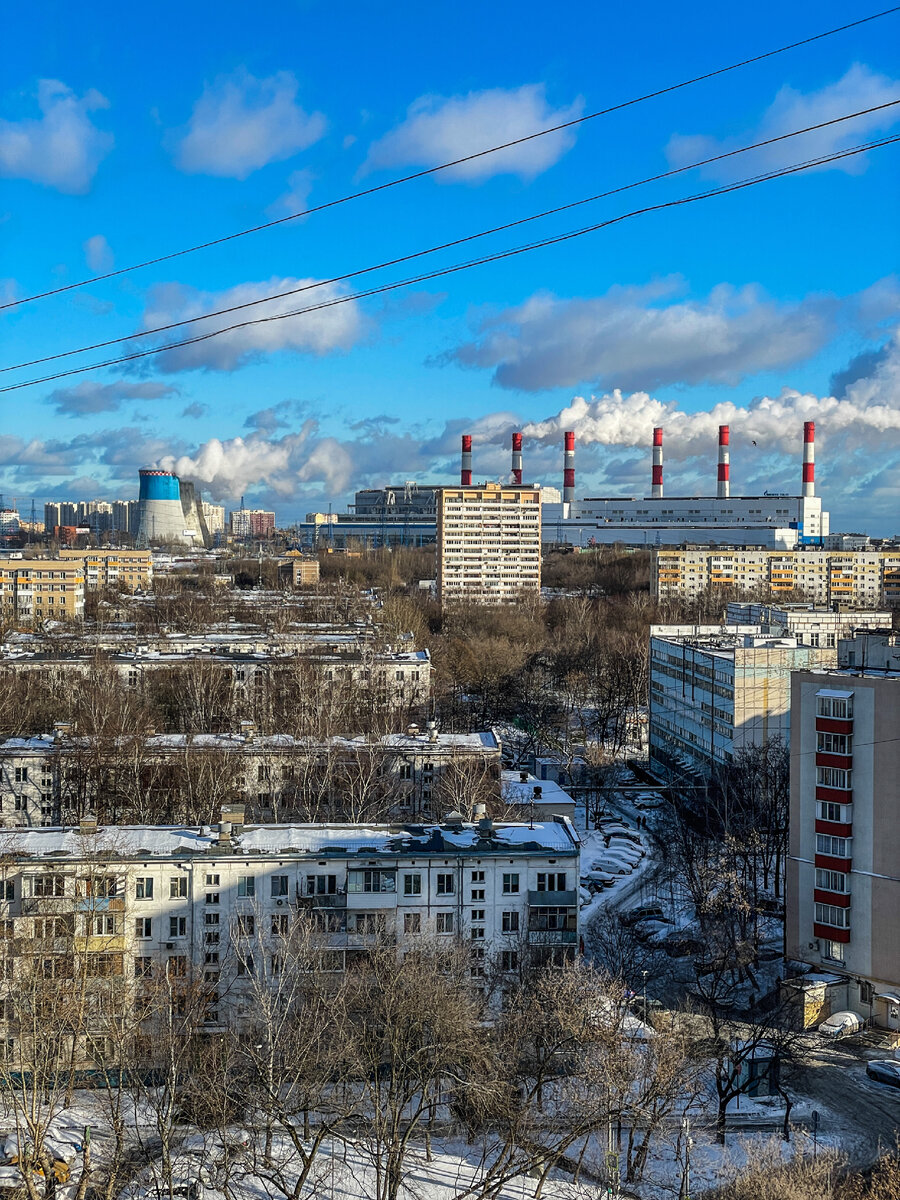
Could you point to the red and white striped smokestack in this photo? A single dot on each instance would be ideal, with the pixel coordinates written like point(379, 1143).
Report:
point(809, 458)
point(569, 469)
point(517, 459)
point(465, 474)
point(656, 479)
point(723, 490)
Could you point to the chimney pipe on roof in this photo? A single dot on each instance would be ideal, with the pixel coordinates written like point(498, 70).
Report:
point(465, 473)
point(809, 458)
point(656, 479)
point(517, 459)
point(723, 490)
point(569, 469)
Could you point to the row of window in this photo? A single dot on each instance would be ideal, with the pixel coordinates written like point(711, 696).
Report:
point(838, 707)
point(830, 914)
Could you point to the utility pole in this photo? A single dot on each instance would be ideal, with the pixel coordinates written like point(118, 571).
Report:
point(688, 1142)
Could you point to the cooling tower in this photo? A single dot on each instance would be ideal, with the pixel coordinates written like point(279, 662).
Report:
point(169, 511)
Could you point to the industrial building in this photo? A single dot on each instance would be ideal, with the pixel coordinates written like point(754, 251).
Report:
point(774, 520)
point(861, 578)
point(488, 543)
point(170, 511)
point(843, 875)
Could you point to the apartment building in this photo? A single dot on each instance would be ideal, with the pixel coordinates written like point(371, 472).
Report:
point(715, 690)
point(810, 624)
point(40, 589)
point(113, 568)
point(54, 778)
point(214, 515)
point(252, 523)
point(132, 904)
point(488, 543)
point(843, 873)
point(863, 578)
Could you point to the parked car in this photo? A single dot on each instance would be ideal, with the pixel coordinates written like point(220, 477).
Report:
point(648, 800)
point(884, 1070)
point(642, 913)
point(616, 866)
point(617, 829)
point(841, 1024)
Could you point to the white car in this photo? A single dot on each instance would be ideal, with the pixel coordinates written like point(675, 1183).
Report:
point(841, 1024)
point(615, 865)
point(625, 850)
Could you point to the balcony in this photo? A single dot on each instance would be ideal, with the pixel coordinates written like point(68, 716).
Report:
point(552, 899)
point(552, 937)
point(338, 900)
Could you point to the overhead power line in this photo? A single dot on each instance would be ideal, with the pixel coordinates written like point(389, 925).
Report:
point(464, 266)
point(392, 262)
point(456, 162)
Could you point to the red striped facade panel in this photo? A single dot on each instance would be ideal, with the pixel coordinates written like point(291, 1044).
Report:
point(829, 863)
point(832, 935)
point(844, 761)
point(835, 828)
point(833, 725)
point(838, 899)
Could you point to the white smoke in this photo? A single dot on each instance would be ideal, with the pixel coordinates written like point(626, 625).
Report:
point(867, 413)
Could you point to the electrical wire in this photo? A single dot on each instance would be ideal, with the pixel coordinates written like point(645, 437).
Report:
point(391, 262)
point(779, 173)
point(392, 183)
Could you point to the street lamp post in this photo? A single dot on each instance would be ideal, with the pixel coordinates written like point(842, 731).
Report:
point(645, 974)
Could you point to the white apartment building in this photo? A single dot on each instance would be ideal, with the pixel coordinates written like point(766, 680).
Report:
point(717, 689)
point(138, 903)
point(843, 872)
point(863, 578)
point(810, 624)
point(488, 543)
point(214, 515)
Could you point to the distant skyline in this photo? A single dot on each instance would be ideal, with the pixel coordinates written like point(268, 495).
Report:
point(123, 138)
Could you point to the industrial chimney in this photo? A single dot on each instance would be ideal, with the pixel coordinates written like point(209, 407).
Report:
point(809, 458)
point(465, 474)
point(569, 469)
point(517, 459)
point(656, 479)
point(724, 485)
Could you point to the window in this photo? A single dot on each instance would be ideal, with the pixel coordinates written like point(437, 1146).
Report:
point(211, 937)
point(866, 992)
point(45, 886)
point(176, 966)
point(412, 885)
point(826, 844)
point(837, 707)
point(321, 885)
point(551, 881)
point(246, 885)
point(211, 956)
point(177, 927)
point(444, 884)
point(103, 926)
point(833, 777)
point(412, 922)
point(103, 966)
point(509, 960)
point(828, 810)
point(211, 918)
point(279, 886)
point(280, 926)
point(143, 927)
point(212, 897)
point(830, 914)
point(550, 918)
point(477, 914)
point(143, 968)
point(367, 922)
point(834, 743)
point(178, 887)
point(444, 923)
point(476, 932)
point(477, 894)
point(7, 889)
point(212, 881)
point(246, 925)
point(143, 888)
point(21, 774)
point(510, 883)
point(510, 922)
point(371, 880)
point(478, 876)
point(832, 881)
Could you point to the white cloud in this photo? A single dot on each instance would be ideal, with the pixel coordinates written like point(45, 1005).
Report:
point(319, 333)
point(294, 199)
point(440, 129)
point(241, 123)
point(88, 397)
point(859, 88)
point(635, 337)
point(97, 253)
point(62, 148)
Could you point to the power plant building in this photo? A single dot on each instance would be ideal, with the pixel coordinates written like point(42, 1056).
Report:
point(169, 510)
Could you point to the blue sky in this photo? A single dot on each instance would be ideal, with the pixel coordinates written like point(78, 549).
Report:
point(125, 134)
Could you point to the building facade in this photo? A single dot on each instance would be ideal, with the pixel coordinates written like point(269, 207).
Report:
point(860, 578)
point(131, 570)
point(252, 523)
point(41, 589)
point(843, 876)
point(488, 544)
point(715, 690)
point(809, 624)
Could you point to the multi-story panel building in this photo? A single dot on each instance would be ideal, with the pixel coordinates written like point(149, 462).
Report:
point(717, 689)
point(843, 876)
point(811, 625)
point(215, 516)
point(863, 578)
point(488, 543)
point(252, 523)
point(128, 569)
point(130, 904)
point(41, 589)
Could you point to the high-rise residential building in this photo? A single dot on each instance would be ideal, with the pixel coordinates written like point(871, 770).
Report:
point(843, 876)
point(126, 516)
point(488, 543)
point(215, 517)
point(252, 523)
point(717, 689)
point(857, 577)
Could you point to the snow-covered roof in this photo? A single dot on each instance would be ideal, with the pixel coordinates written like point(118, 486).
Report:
point(518, 791)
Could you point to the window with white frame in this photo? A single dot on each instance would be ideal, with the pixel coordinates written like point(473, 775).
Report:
point(831, 914)
point(832, 881)
point(836, 846)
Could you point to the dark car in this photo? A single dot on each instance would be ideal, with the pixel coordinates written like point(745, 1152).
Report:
point(884, 1070)
point(646, 912)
